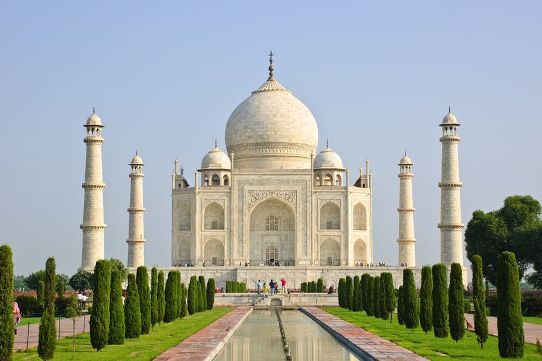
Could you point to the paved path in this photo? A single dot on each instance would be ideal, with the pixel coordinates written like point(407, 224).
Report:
point(532, 331)
point(66, 329)
point(207, 343)
point(365, 344)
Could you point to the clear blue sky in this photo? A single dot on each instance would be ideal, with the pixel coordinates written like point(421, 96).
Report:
point(164, 76)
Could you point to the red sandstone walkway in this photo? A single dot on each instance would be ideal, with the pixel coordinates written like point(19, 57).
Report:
point(66, 329)
point(532, 331)
point(205, 344)
point(364, 343)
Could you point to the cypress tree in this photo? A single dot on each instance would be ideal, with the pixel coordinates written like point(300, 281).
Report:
point(203, 299)
point(382, 298)
point(341, 292)
point(184, 294)
point(320, 285)
point(193, 287)
point(390, 295)
point(99, 320)
point(410, 300)
point(355, 297)
point(440, 301)
point(455, 303)
point(509, 320)
point(142, 280)
point(349, 295)
point(376, 297)
point(210, 293)
point(47, 329)
point(365, 288)
point(154, 296)
point(7, 331)
point(40, 292)
point(360, 296)
point(426, 300)
point(176, 307)
point(169, 311)
point(400, 317)
point(161, 297)
point(370, 296)
point(132, 310)
point(479, 300)
point(116, 310)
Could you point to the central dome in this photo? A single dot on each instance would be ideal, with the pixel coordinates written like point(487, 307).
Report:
point(271, 129)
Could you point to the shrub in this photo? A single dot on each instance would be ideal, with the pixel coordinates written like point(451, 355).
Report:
point(161, 297)
point(176, 307)
point(400, 317)
point(154, 296)
point(383, 312)
point(116, 310)
point(455, 303)
point(142, 280)
point(193, 287)
point(349, 295)
point(7, 331)
point(376, 297)
point(341, 292)
point(47, 329)
point(210, 293)
point(410, 300)
point(370, 296)
point(426, 300)
point(184, 294)
point(202, 304)
point(355, 297)
point(390, 294)
point(99, 320)
point(478, 298)
point(466, 306)
point(304, 287)
point(320, 285)
point(80, 281)
point(531, 306)
point(169, 311)
point(28, 305)
point(509, 320)
point(364, 284)
point(132, 310)
point(440, 301)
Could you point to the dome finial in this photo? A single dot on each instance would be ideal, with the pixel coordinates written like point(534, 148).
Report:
point(271, 65)
point(449, 109)
point(216, 144)
point(93, 110)
point(136, 152)
point(327, 143)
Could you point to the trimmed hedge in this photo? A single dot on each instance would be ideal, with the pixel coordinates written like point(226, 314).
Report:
point(170, 313)
point(320, 285)
point(365, 291)
point(341, 292)
point(202, 302)
point(440, 301)
point(99, 320)
point(117, 328)
point(132, 311)
point(456, 303)
point(210, 293)
point(426, 300)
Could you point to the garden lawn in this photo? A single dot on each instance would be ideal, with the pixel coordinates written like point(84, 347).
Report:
point(533, 319)
point(428, 345)
point(146, 347)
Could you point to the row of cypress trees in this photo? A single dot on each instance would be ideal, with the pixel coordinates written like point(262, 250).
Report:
point(200, 297)
point(313, 286)
point(235, 287)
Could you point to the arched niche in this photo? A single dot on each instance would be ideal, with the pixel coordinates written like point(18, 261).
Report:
point(360, 217)
point(360, 252)
point(330, 216)
point(213, 253)
point(330, 253)
point(214, 217)
point(185, 217)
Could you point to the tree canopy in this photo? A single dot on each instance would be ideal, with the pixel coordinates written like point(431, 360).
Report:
point(515, 227)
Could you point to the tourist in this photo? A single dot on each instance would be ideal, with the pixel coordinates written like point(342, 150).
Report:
point(283, 283)
point(265, 289)
point(16, 314)
point(272, 286)
point(259, 286)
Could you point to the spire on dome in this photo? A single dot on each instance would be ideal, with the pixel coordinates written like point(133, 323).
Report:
point(216, 144)
point(93, 110)
point(327, 143)
point(271, 65)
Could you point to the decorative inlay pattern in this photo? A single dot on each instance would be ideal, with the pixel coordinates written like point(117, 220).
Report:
point(272, 148)
point(289, 197)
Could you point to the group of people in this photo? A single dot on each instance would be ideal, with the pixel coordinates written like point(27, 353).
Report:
point(272, 288)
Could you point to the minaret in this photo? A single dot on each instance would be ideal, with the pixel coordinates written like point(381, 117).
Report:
point(93, 210)
point(136, 238)
point(406, 240)
point(451, 228)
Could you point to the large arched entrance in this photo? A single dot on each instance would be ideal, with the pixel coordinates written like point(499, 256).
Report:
point(272, 234)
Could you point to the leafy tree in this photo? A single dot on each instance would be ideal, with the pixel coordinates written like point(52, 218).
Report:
point(440, 301)
point(80, 281)
point(154, 296)
point(341, 292)
point(47, 329)
point(142, 280)
point(169, 312)
point(410, 300)
point(365, 287)
point(193, 287)
point(99, 320)
point(61, 283)
point(355, 297)
point(349, 295)
point(426, 299)
point(389, 291)
point(509, 320)
point(73, 311)
point(370, 296)
point(32, 281)
point(382, 298)
point(479, 300)
point(210, 293)
point(117, 264)
point(184, 295)
point(117, 328)
point(161, 297)
point(40, 293)
point(376, 297)
point(400, 316)
point(455, 303)
point(202, 305)
point(7, 330)
point(132, 310)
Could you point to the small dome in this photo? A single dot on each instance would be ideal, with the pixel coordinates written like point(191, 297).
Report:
point(216, 159)
point(328, 159)
point(136, 160)
point(405, 160)
point(94, 120)
point(449, 119)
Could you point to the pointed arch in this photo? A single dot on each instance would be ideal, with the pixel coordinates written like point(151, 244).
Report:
point(330, 216)
point(214, 216)
point(330, 253)
point(360, 217)
point(360, 252)
point(213, 252)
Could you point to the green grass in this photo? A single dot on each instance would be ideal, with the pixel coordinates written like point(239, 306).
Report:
point(533, 319)
point(146, 347)
point(31, 320)
point(428, 345)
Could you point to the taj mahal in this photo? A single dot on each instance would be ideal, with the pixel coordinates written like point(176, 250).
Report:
point(273, 204)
